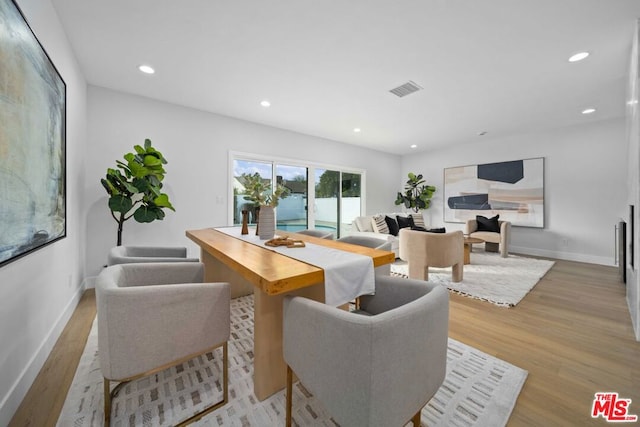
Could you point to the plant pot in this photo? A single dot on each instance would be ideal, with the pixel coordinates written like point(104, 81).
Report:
point(267, 222)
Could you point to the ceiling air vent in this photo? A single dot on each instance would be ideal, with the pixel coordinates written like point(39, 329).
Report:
point(406, 89)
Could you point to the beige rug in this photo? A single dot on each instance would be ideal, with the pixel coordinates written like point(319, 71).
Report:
point(479, 389)
point(489, 277)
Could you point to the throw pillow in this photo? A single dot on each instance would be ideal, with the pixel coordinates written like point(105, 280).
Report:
point(488, 224)
point(414, 228)
point(437, 230)
point(418, 220)
point(404, 221)
point(380, 224)
point(392, 225)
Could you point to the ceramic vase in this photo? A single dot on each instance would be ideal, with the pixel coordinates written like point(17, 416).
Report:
point(267, 222)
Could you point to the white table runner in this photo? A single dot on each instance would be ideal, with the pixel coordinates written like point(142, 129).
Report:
point(346, 275)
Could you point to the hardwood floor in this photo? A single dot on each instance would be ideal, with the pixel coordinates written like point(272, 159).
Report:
point(572, 333)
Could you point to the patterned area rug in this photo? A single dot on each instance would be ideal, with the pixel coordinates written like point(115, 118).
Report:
point(489, 277)
point(479, 389)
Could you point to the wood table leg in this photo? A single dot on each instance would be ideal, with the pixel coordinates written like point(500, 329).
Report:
point(217, 271)
point(467, 253)
point(269, 368)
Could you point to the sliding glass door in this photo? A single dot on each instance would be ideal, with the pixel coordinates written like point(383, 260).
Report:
point(292, 210)
point(319, 197)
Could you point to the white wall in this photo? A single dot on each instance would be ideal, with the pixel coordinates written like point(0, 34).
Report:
point(39, 292)
point(196, 145)
point(633, 182)
point(585, 186)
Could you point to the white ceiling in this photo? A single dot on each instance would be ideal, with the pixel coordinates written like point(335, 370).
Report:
point(327, 66)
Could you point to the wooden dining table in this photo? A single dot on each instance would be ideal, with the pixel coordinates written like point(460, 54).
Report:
point(270, 276)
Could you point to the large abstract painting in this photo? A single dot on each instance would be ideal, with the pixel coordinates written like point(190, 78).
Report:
point(514, 190)
point(32, 141)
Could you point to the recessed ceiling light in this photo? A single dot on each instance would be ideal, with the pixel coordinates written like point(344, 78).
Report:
point(589, 111)
point(356, 130)
point(414, 146)
point(578, 56)
point(146, 69)
point(265, 103)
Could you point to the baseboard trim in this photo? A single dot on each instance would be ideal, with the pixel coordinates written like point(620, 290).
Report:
point(568, 256)
point(20, 387)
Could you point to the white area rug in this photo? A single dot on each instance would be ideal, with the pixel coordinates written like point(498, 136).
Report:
point(489, 277)
point(479, 389)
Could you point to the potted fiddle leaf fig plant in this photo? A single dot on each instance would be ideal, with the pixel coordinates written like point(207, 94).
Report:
point(417, 195)
point(135, 187)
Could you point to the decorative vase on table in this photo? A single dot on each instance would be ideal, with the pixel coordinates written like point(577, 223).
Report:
point(267, 222)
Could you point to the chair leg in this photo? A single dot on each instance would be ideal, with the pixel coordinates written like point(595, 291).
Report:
point(289, 397)
point(416, 419)
point(457, 271)
point(107, 402)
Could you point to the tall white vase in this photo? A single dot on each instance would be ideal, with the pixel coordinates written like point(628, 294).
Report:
point(267, 222)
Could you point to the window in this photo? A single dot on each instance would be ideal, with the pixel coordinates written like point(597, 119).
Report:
point(334, 194)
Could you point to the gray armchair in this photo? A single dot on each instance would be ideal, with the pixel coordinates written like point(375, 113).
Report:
point(494, 242)
point(137, 254)
point(323, 234)
point(155, 315)
point(370, 242)
point(377, 369)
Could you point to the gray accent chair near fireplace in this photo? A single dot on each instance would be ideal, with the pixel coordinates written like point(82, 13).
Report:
point(376, 367)
point(152, 316)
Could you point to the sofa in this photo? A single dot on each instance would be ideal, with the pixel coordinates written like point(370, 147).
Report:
point(368, 226)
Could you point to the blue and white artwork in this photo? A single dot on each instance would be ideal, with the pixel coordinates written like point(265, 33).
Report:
point(32, 141)
point(513, 189)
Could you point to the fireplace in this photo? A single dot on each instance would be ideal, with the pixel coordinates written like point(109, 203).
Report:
point(621, 249)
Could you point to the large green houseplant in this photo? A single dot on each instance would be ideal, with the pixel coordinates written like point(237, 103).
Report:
point(417, 195)
point(135, 187)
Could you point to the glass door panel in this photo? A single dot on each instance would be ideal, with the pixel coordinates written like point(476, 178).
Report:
point(327, 189)
point(291, 213)
point(243, 172)
point(351, 200)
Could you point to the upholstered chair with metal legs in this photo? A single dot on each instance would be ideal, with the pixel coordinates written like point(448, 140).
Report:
point(152, 316)
point(137, 254)
point(370, 242)
point(422, 250)
point(323, 234)
point(376, 368)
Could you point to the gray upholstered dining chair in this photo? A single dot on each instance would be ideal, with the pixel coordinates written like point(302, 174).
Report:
point(377, 368)
point(370, 242)
point(323, 234)
point(137, 254)
point(152, 316)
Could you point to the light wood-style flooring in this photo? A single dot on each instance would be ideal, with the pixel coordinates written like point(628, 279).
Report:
point(572, 333)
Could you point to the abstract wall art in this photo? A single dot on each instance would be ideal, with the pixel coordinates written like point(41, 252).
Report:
point(514, 190)
point(32, 141)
